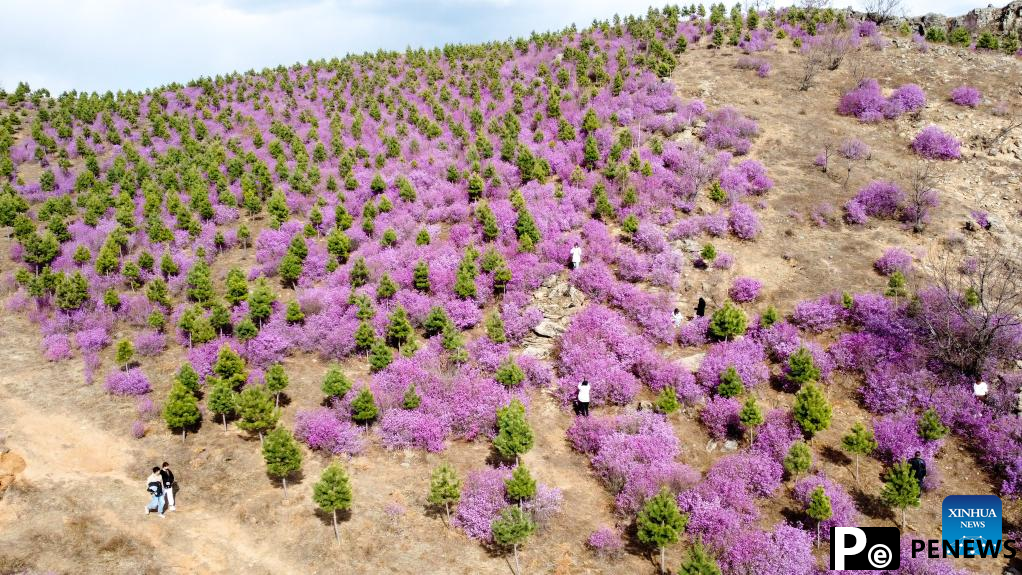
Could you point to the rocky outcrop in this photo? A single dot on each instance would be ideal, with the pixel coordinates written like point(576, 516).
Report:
point(558, 300)
point(990, 19)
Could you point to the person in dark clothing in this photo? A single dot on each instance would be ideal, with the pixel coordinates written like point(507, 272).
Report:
point(154, 486)
point(168, 485)
point(701, 308)
point(918, 467)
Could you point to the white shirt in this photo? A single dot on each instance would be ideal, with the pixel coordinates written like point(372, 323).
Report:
point(677, 319)
point(583, 393)
point(576, 254)
point(980, 389)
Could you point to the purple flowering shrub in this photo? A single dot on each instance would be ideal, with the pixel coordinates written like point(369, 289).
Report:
point(966, 96)
point(720, 416)
point(867, 102)
point(818, 315)
point(744, 289)
point(484, 496)
point(894, 259)
point(746, 355)
point(130, 382)
point(878, 199)
point(843, 510)
point(322, 429)
point(606, 542)
point(933, 143)
point(403, 429)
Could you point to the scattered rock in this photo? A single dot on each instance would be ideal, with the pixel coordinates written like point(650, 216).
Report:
point(730, 445)
point(692, 362)
point(547, 328)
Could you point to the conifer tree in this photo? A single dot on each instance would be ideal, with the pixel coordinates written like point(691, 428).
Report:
point(229, 366)
point(385, 288)
point(359, 275)
point(200, 285)
point(444, 488)
point(260, 302)
point(476, 186)
point(363, 407)
point(72, 292)
point(819, 509)
point(256, 413)
point(125, 353)
point(420, 276)
point(769, 317)
point(276, 382)
point(799, 459)
point(801, 367)
point(511, 529)
point(465, 282)
point(436, 321)
point(901, 489)
point(520, 486)
point(488, 221)
point(335, 383)
point(728, 322)
point(811, 411)
point(667, 401)
point(590, 152)
point(411, 399)
point(929, 426)
point(514, 436)
point(699, 562)
point(282, 454)
point(730, 383)
point(332, 493)
point(294, 313)
point(509, 374)
point(751, 416)
point(222, 400)
point(187, 377)
point(399, 330)
point(860, 441)
point(365, 337)
point(495, 328)
point(660, 523)
point(181, 410)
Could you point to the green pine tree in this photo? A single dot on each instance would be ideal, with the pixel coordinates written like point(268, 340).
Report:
point(520, 486)
point(380, 356)
point(514, 436)
point(411, 399)
point(276, 382)
point(799, 459)
point(801, 367)
point(660, 523)
point(363, 407)
point(294, 313)
point(730, 384)
point(751, 416)
point(444, 488)
point(769, 317)
point(187, 377)
point(221, 400)
point(282, 454)
point(495, 328)
point(819, 509)
point(929, 426)
point(256, 413)
point(901, 489)
point(332, 493)
point(335, 383)
point(860, 441)
point(511, 529)
point(200, 284)
point(811, 411)
point(181, 410)
point(125, 353)
point(72, 292)
point(667, 401)
point(420, 276)
point(699, 562)
point(260, 302)
point(229, 366)
point(399, 330)
point(728, 322)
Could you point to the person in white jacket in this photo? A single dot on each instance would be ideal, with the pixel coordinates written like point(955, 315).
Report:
point(576, 257)
point(583, 398)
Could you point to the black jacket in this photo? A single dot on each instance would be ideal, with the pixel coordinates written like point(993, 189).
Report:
point(168, 478)
point(155, 488)
point(918, 468)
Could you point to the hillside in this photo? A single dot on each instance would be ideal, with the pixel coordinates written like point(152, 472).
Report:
point(400, 225)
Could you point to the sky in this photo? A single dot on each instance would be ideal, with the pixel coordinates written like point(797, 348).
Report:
point(99, 45)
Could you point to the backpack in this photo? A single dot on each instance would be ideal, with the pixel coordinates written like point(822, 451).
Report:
point(155, 488)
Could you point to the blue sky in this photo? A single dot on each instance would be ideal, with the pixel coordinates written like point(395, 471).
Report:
point(135, 44)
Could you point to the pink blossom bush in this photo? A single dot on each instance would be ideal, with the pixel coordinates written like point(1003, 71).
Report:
point(935, 144)
point(744, 289)
point(606, 542)
point(130, 382)
point(817, 315)
point(746, 355)
point(966, 96)
point(879, 199)
point(720, 416)
point(150, 343)
point(321, 429)
point(56, 347)
point(403, 429)
point(894, 259)
point(482, 499)
point(867, 102)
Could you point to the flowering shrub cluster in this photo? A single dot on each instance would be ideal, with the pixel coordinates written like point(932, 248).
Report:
point(744, 289)
point(867, 102)
point(322, 429)
point(894, 260)
point(966, 96)
point(484, 496)
point(935, 144)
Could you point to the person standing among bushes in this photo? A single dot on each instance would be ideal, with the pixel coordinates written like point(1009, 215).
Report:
point(168, 485)
point(677, 318)
point(918, 467)
point(154, 485)
point(576, 257)
point(701, 308)
point(583, 398)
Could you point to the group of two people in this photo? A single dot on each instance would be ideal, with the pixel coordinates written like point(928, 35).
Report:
point(160, 486)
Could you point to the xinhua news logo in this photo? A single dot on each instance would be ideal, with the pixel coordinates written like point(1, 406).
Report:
point(865, 548)
point(971, 528)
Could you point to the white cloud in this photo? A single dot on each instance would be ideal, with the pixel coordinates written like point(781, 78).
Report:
point(124, 44)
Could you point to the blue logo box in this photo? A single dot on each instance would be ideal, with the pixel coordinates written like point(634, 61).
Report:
point(976, 517)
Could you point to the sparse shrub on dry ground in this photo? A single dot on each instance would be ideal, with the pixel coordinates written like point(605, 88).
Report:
point(396, 202)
